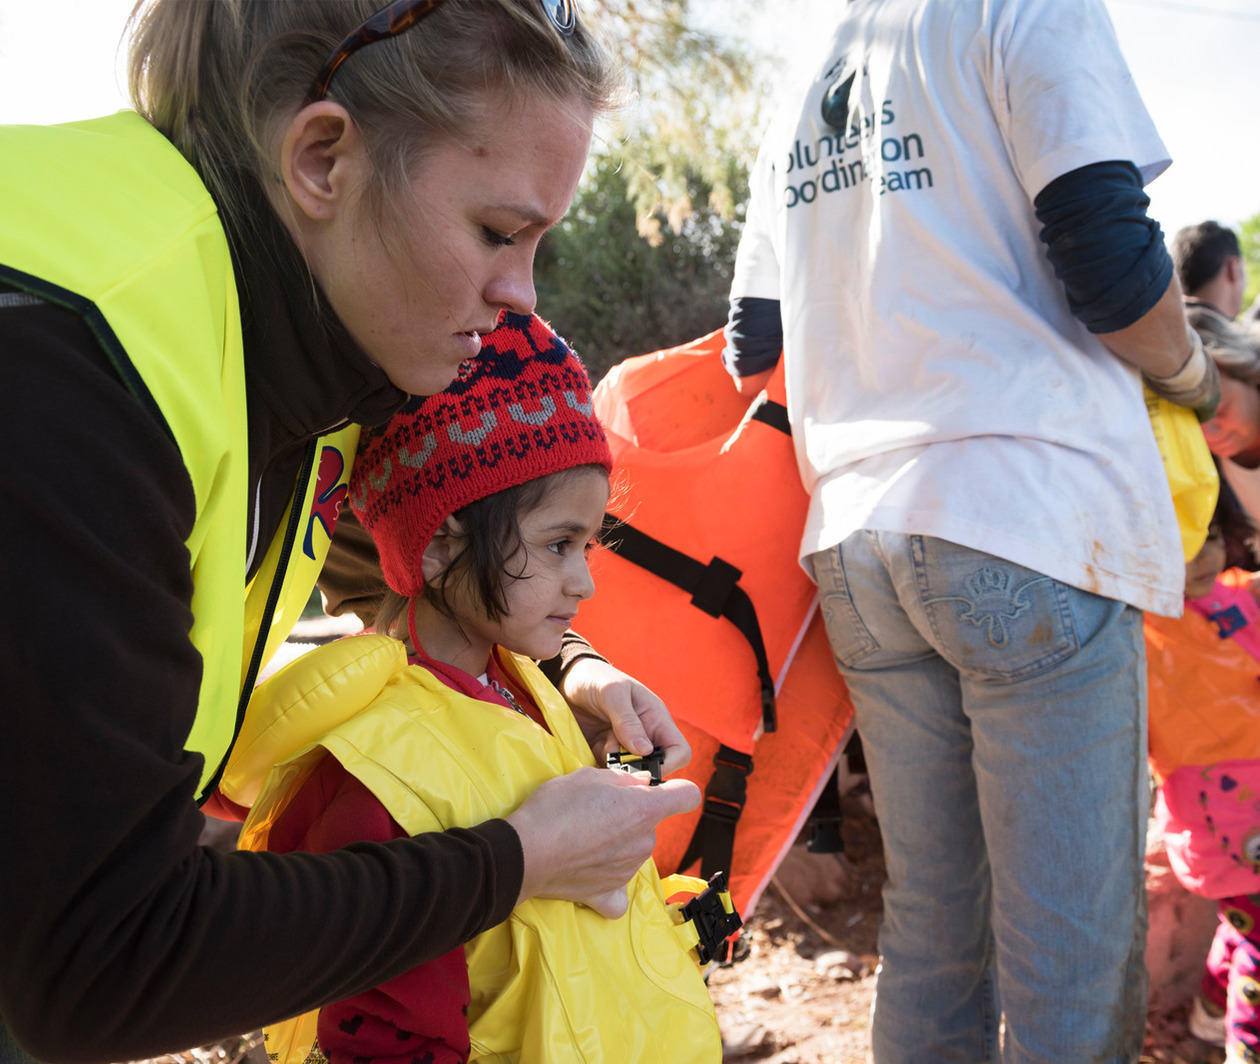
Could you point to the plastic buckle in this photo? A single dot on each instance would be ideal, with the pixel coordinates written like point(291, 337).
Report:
point(624, 761)
point(713, 921)
point(719, 809)
point(825, 836)
point(736, 759)
point(733, 951)
point(713, 589)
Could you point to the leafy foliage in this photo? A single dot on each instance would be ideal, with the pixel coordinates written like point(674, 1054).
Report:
point(643, 259)
point(1249, 239)
point(611, 293)
point(695, 101)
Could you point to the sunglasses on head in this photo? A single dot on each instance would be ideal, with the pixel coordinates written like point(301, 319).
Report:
point(400, 16)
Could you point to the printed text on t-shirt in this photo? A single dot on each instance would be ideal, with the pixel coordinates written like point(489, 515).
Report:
point(882, 156)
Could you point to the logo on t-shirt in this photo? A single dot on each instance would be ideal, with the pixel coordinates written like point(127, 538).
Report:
point(860, 148)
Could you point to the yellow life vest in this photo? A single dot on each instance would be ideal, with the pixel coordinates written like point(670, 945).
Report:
point(107, 219)
point(556, 981)
point(1192, 478)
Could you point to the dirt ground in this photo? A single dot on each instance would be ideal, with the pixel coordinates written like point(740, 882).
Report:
point(803, 992)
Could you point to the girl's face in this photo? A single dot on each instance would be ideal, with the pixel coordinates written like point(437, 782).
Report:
point(1203, 569)
point(546, 579)
point(1236, 426)
point(459, 246)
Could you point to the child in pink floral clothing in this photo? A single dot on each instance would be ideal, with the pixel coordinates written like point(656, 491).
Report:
point(1204, 703)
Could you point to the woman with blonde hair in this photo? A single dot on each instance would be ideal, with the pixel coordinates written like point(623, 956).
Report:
point(317, 210)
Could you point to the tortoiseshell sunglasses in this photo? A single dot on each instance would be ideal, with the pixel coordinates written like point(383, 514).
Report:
point(400, 16)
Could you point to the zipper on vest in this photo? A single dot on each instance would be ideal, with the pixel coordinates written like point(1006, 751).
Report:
point(269, 610)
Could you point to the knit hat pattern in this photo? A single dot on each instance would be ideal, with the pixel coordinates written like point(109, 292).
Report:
point(521, 409)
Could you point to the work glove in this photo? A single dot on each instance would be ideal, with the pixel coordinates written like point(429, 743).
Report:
point(1196, 385)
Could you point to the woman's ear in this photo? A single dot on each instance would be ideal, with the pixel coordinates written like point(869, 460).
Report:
point(323, 160)
point(446, 545)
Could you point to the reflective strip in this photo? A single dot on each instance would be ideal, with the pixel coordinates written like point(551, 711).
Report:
point(19, 299)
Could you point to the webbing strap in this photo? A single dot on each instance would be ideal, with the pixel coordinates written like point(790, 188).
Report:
point(827, 818)
point(768, 412)
point(713, 841)
point(714, 588)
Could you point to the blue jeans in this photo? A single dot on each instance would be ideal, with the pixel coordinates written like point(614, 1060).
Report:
point(1002, 716)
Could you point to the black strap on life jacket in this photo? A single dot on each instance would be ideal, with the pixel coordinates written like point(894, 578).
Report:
point(768, 412)
point(827, 819)
point(714, 588)
point(713, 841)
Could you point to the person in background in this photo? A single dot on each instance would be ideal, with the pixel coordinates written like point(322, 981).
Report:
point(317, 211)
point(1205, 738)
point(1213, 278)
point(947, 237)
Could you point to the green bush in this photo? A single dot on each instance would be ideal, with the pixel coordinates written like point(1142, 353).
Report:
point(613, 293)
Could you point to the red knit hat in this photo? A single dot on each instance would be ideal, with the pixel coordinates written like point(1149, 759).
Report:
point(520, 410)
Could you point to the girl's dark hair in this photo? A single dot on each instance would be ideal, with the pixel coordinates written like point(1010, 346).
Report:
point(1237, 529)
point(492, 540)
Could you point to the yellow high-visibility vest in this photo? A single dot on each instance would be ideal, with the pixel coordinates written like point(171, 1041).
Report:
point(107, 219)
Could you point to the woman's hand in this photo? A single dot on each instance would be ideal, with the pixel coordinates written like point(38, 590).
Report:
point(585, 834)
point(616, 712)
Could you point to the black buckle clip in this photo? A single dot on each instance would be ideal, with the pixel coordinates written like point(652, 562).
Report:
point(624, 761)
point(713, 923)
point(825, 836)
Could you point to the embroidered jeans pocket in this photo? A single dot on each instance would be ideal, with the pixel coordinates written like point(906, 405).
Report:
point(991, 617)
point(851, 641)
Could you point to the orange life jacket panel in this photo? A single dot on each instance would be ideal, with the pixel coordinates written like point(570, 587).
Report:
point(701, 597)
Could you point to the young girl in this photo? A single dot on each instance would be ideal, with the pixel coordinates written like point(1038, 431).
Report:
point(482, 503)
point(1204, 711)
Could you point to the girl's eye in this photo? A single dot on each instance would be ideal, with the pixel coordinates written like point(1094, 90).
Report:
point(495, 238)
point(560, 546)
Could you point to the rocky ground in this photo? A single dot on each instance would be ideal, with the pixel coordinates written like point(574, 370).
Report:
point(803, 994)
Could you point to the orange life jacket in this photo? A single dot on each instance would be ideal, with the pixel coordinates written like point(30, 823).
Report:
point(1203, 692)
point(701, 597)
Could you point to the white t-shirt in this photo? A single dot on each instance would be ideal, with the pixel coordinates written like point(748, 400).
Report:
point(937, 382)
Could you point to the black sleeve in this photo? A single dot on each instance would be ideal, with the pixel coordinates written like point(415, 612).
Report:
point(1109, 255)
point(573, 648)
point(754, 336)
point(122, 938)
